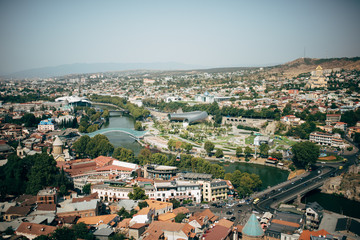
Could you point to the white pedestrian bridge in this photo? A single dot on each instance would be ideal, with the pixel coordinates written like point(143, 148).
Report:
point(131, 132)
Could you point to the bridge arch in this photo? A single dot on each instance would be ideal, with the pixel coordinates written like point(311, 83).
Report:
point(131, 132)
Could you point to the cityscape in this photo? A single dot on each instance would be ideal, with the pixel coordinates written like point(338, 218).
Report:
point(155, 139)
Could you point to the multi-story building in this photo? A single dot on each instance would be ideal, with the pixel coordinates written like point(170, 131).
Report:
point(332, 118)
point(46, 125)
point(111, 191)
point(215, 190)
point(179, 190)
point(47, 196)
point(82, 209)
point(159, 172)
point(313, 215)
point(333, 140)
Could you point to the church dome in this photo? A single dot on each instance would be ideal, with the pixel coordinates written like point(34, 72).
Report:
point(252, 227)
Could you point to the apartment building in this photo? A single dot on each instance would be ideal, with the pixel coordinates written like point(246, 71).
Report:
point(333, 140)
point(179, 190)
point(215, 190)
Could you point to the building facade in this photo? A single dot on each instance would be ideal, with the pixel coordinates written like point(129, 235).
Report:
point(215, 190)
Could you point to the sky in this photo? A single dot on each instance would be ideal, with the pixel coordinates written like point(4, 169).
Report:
point(41, 33)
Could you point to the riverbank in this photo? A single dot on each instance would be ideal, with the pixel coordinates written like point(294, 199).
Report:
point(346, 185)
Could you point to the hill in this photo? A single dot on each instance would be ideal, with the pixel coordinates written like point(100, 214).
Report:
point(304, 65)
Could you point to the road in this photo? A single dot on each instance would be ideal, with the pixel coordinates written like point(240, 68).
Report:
point(290, 189)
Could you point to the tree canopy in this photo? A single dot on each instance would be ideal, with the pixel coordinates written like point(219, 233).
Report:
point(93, 147)
point(305, 154)
point(137, 194)
point(245, 183)
point(209, 147)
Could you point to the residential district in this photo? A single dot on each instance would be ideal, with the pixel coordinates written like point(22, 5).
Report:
point(62, 178)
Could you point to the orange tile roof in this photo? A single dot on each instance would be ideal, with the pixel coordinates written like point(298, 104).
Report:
point(97, 220)
point(178, 210)
point(225, 223)
point(305, 235)
point(157, 228)
point(212, 217)
point(143, 211)
point(166, 216)
point(158, 204)
point(282, 222)
point(102, 160)
point(124, 223)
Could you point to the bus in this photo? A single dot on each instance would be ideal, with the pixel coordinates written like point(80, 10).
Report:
point(271, 160)
point(256, 200)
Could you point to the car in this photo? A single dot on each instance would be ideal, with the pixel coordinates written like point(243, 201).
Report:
point(232, 219)
point(229, 212)
point(239, 205)
point(239, 211)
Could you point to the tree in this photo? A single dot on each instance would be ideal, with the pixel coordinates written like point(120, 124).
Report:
point(175, 203)
point(219, 153)
point(86, 188)
point(143, 204)
point(80, 145)
point(357, 137)
point(264, 149)
point(138, 126)
point(180, 217)
point(239, 151)
point(63, 233)
point(188, 147)
point(248, 151)
point(123, 154)
point(171, 144)
point(42, 173)
point(118, 236)
point(244, 182)
point(144, 156)
point(137, 194)
point(82, 232)
point(209, 146)
point(305, 154)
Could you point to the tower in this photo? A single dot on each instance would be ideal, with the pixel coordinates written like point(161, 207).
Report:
point(57, 146)
point(252, 229)
point(20, 150)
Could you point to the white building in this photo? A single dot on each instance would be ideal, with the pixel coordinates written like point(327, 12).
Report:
point(179, 190)
point(333, 140)
point(46, 125)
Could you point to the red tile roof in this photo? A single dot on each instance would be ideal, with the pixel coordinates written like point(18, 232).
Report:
point(305, 235)
point(34, 229)
point(217, 233)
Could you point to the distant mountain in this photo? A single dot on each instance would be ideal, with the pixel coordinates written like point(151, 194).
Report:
point(303, 65)
point(78, 68)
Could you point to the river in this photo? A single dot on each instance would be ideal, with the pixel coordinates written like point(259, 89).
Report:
point(119, 139)
point(333, 203)
point(270, 176)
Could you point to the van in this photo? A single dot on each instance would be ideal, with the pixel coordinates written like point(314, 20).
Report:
point(256, 200)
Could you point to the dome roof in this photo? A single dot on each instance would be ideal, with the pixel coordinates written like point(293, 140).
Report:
point(252, 227)
point(57, 142)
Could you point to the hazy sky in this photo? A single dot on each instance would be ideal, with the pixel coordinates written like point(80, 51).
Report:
point(209, 33)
